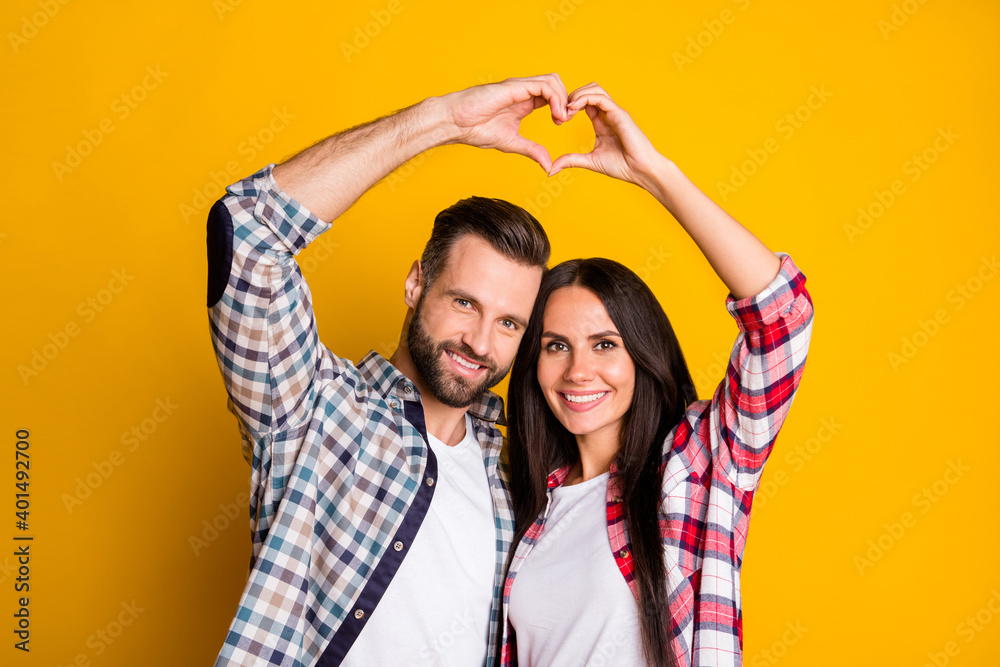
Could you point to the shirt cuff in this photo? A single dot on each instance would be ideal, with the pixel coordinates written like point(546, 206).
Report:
point(774, 301)
point(291, 221)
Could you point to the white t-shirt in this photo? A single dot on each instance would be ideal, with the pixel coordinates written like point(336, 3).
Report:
point(569, 604)
point(436, 610)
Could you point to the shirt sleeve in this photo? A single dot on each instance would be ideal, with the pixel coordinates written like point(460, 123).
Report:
point(260, 307)
point(765, 368)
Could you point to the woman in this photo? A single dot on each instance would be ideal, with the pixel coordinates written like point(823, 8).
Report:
point(631, 498)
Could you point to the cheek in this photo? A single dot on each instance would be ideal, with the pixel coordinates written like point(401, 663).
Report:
point(441, 321)
point(505, 350)
point(547, 373)
point(622, 377)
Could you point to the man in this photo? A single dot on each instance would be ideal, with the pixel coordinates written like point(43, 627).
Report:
point(380, 516)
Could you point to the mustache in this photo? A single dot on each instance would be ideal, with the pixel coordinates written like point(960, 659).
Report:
point(467, 352)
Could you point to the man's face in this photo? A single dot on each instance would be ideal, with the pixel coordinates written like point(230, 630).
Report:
point(466, 327)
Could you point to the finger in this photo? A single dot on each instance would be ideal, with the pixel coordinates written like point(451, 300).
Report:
point(537, 102)
point(597, 99)
point(564, 100)
point(584, 87)
point(579, 97)
point(522, 89)
point(553, 91)
point(555, 81)
point(594, 105)
point(571, 160)
point(596, 102)
point(589, 89)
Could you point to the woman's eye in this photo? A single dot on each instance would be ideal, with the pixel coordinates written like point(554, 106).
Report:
point(606, 345)
point(555, 346)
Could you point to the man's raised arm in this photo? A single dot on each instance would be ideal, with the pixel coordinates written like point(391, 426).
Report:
point(330, 176)
point(261, 312)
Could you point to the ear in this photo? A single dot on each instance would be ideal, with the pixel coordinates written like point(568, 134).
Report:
point(414, 285)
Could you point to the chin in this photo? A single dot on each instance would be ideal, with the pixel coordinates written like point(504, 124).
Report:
point(579, 429)
point(574, 426)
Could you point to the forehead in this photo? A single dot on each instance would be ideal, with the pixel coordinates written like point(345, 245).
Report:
point(494, 281)
point(576, 310)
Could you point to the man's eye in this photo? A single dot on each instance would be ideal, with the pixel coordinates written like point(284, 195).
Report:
point(509, 324)
point(463, 303)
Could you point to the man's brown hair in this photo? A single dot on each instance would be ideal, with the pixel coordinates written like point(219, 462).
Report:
point(508, 229)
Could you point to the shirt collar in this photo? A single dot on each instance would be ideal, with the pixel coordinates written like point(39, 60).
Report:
point(557, 477)
point(386, 380)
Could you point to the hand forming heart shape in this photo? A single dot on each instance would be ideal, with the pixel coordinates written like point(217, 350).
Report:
point(489, 116)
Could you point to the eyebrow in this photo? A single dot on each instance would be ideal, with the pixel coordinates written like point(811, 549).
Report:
point(594, 336)
point(471, 299)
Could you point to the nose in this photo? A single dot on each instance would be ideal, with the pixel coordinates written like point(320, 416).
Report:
point(479, 337)
point(579, 369)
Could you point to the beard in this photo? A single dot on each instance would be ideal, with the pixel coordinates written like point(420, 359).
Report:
point(427, 355)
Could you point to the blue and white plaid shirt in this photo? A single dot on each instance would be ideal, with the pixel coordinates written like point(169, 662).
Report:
point(342, 475)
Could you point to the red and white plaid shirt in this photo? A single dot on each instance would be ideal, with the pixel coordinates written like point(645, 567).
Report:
point(712, 464)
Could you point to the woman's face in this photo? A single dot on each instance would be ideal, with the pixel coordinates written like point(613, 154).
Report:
point(584, 372)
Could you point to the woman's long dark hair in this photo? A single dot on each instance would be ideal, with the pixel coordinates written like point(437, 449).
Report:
point(538, 442)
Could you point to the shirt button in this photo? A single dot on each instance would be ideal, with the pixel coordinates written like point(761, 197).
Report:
point(359, 614)
point(393, 404)
point(398, 546)
point(408, 389)
point(623, 553)
point(430, 481)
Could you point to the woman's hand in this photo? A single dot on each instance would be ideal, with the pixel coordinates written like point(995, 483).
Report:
point(621, 150)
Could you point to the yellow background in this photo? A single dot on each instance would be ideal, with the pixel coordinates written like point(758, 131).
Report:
point(828, 552)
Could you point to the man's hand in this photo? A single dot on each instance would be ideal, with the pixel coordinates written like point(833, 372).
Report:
point(489, 116)
point(621, 150)
point(328, 177)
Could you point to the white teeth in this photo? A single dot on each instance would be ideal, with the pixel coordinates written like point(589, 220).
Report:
point(586, 398)
point(463, 362)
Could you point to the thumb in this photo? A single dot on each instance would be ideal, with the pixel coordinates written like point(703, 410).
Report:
point(528, 148)
point(570, 160)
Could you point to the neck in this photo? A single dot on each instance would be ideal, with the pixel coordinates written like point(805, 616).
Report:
point(597, 451)
point(444, 422)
